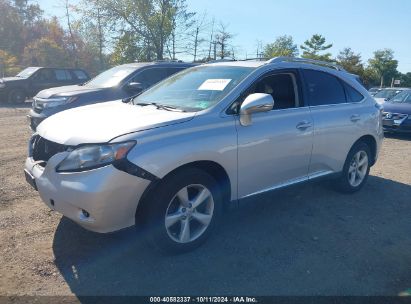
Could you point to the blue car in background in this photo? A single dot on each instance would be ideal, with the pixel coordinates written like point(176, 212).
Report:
point(397, 113)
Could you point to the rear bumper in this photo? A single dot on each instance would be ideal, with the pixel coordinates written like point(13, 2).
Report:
point(109, 196)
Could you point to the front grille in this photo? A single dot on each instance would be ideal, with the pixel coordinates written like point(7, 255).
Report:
point(43, 149)
point(394, 116)
point(37, 107)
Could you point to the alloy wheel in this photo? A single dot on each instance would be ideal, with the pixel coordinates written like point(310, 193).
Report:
point(189, 213)
point(358, 168)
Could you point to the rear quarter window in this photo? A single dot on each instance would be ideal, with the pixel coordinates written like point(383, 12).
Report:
point(352, 94)
point(323, 88)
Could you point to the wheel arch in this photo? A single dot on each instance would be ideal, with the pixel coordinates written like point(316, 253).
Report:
point(371, 142)
point(211, 167)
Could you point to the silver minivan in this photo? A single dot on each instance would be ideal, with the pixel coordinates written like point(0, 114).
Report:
point(169, 160)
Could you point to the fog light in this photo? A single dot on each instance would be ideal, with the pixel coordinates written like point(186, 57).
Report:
point(85, 213)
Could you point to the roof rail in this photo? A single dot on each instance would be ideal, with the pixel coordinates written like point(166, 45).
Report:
point(255, 59)
point(305, 60)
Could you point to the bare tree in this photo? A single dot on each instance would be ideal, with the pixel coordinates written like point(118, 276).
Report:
point(66, 5)
point(223, 39)
point(212, 42)
point(195, 35)
point(181, 22)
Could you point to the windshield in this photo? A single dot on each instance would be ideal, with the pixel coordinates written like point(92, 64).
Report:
point(387, 94)
point(112, 77)
point(195, 89)
point(404, 96)
point(26, 73)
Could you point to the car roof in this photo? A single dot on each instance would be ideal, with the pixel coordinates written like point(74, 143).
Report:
point(285, 62)
point(55, 68)
point(138, 65)
point(242, 63)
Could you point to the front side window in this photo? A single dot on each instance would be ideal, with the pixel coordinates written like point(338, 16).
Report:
point(150, 77)
point(195, 89)
point(283, 89)
point(323, 88)
point(112, 77)
point(45, 75)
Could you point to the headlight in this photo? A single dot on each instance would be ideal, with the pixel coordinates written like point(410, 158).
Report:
point(2, 85)
point(94, 156)
point(57, 101)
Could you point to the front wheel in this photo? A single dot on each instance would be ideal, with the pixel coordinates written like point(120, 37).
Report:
point(17, 96)
point(183, 211)
point(356, 169)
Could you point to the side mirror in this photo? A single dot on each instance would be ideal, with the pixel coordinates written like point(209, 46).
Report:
point(135, 87)
point(255, 103)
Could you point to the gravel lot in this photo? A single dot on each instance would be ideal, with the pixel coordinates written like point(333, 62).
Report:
point(307, 240)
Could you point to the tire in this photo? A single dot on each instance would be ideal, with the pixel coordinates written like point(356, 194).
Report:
point(17, 96)
point(356, 169)
point(172, 217)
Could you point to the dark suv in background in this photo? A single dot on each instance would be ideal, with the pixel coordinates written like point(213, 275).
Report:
point(120, 82)
point(32, 80)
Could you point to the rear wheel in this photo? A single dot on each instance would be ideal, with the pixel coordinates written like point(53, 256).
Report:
point(17, 96)
point(183, 211)
point(356, 169)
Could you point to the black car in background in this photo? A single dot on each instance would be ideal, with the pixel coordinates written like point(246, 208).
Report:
point(120, 82)
point(397, 113)
point(32, 80)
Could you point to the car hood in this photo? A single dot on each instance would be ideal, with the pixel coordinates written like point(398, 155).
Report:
point(101, 123)
point(10, 79)
point(71, 90)
point(400, 108)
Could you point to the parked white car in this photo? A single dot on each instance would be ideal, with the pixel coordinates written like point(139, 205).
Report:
point(169, 160)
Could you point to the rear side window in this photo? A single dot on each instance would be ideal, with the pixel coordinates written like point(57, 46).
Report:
point(352, 94)
point(80, 75)
point(323, 88)
point(62, 75)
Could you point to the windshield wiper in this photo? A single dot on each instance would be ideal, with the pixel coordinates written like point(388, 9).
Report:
point(159, 106)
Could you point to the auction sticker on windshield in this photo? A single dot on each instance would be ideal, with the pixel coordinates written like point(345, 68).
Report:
point(214, 85)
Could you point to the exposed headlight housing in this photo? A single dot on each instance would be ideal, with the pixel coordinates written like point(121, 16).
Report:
point(89, 157)
point(55, 101)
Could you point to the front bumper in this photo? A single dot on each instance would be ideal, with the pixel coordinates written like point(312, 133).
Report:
point(109, 196)
point(397, 125)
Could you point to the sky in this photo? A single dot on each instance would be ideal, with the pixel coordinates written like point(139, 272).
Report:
point(363, 25)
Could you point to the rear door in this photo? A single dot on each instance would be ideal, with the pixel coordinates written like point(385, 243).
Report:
point(339, 113)
point(275, 150)
point(64, 77)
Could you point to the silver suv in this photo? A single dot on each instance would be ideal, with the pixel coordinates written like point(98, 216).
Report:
point(170, 159)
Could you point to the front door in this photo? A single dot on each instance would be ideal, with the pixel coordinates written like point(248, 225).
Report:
point(276, 149)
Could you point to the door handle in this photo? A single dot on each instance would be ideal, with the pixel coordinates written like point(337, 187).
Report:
point(355, 118)
point(304, 125)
